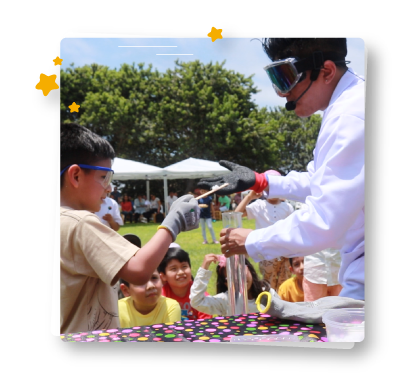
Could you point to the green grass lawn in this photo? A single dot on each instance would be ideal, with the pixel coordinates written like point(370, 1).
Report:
point(192, 242)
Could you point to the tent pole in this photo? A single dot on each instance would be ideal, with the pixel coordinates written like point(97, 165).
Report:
point(165, 195)
point(148, 189)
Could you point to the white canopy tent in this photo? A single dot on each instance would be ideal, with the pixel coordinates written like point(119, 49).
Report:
point(125, 169)
point(191, 168)
point(131, 170)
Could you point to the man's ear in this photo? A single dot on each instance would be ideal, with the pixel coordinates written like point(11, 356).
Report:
point(328, 71)
point(125, 290)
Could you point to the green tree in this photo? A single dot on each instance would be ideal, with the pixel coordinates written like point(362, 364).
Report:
point(76, 83)
point(294, 138)
point(206, 111)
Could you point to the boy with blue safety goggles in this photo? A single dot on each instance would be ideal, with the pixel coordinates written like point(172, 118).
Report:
point(103, 178)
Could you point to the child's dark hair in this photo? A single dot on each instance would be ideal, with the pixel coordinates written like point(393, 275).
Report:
point(80, 145)
point(174, 253)
point(126, 283)
point(257, 287)
point(133, 239)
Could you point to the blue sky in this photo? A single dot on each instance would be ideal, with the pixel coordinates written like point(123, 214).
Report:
point(242, 55)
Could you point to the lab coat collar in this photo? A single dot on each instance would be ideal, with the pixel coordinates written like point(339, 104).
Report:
point(347, 79)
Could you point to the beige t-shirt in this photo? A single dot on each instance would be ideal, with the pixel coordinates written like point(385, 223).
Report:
point(91, 256)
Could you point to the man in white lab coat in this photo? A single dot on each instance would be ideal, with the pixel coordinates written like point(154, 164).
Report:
point(312, 75)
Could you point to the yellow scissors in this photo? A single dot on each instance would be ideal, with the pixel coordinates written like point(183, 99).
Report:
point(258, 300)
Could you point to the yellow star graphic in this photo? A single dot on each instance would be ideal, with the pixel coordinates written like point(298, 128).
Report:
point(215, 34)
point(47, 83)
point(57, 61)
point(74, 107)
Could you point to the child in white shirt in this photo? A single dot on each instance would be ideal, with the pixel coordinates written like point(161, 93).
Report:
point(267, 212)
point(219, 304)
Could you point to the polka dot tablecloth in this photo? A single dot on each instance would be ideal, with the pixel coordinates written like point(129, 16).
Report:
point(217, 329)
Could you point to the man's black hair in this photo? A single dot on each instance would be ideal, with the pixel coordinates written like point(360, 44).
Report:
point(281, 48)
point(80, 145)
point(174, 253)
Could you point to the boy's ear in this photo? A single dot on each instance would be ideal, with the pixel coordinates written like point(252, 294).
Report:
point(74, 174)
point(163, 277)
point(125, 290)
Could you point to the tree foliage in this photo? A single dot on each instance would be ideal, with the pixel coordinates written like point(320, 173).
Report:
point(194, 110)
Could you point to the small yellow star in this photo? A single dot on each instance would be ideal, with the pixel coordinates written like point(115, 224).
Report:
point(57, 61)
point(47, 83)
point(74, 107)
point(215, 34)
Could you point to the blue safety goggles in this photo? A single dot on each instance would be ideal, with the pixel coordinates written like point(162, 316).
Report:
point(104, 180)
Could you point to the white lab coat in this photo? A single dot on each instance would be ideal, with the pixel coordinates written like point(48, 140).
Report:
point(322, 267)
point(332, 188)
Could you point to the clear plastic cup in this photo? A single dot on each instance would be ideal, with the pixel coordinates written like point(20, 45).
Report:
point(235, 271)
point(344, 325)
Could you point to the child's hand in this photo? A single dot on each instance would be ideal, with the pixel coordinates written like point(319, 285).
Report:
point(208, 259)
point(183, 216)
point(254, 195)
point(108, 217)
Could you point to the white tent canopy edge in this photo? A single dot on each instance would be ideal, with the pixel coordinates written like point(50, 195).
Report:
point(190, 168)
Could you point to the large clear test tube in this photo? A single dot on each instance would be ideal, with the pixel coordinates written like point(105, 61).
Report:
point(235, 270)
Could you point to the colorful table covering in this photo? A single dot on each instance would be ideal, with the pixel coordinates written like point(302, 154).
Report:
point(217, 329)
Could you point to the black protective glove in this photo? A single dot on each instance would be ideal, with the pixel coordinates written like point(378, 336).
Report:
point(240, 179)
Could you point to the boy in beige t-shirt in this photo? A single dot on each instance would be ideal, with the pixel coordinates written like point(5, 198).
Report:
point(93, 256)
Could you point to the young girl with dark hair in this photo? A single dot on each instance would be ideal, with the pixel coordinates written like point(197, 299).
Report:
point(219, 304)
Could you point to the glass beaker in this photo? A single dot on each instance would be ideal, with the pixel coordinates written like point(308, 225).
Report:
point(235, 271)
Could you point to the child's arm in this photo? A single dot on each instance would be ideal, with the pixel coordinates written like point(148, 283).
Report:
point(140, 267)
point(184, 216)
point(208, 259)
point(111, 220)
point(211, 305)
point(246, 200)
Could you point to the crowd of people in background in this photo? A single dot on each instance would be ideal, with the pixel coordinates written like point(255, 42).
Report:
point(137, 209)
